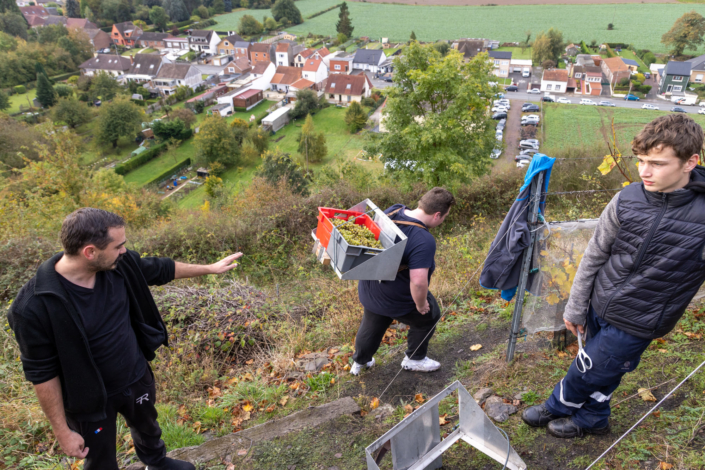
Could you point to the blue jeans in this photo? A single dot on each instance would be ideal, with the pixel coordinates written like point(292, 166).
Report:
point(586, 397)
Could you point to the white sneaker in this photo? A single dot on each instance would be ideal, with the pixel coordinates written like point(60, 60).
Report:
point(357, 368)
point(424, 365)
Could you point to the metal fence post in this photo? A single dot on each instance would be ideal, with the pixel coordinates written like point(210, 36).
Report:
point(534, 202)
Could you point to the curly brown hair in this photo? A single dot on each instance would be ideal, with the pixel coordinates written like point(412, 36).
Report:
point(677, 131)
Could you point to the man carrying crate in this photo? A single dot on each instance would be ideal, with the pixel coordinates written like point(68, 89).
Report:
point(640, 271)
point(407, 298)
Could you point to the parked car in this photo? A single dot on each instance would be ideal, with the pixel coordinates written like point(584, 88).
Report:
point(512, 88)
point(530, 108)
point(588, 102)
point(650, 106)
point(647, 75)
point(606, 103)
point(525, 73)
point(500, 125)
point(548, 99)
point(527, 145)
point(530, 118)
point(522, 157)
point(678, 109)
point(563, 101)
point(701, 111)
point(499, 136)
point(529, 141)
point(495, 153)
point(504, 102)
point(529, 152)
point(498, 116)
point(534, 91)
point(499, 109)
point(522, 163)
point(631, 98)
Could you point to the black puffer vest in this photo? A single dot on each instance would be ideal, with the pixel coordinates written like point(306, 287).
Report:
point(656, 265)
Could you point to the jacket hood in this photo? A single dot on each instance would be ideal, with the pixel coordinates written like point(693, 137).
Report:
point(697, 180)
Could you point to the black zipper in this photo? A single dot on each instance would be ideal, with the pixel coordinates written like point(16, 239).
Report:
point(642, 252)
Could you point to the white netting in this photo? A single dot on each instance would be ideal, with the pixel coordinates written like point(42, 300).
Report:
point(558, 252)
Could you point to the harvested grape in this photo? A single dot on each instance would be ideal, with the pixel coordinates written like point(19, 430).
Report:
point(355, 234)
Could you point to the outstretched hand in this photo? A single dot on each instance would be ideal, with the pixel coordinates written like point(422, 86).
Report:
point(225, 264)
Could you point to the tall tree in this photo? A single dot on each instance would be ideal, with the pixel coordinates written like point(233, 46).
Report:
point(176, 9)
point(287, 10)
point(13, 24)
point(686, 33)
point(547, 46)
point(4, 101)
point(413, 36)
point(355, 117)
point(249, 26)
point(103, 86)
point(218, 7)
point(307, 102)
point(71, 112)
point(73, 9)
point(439, 131)
point(277, 166)
point(344, 24)
point(9, 6)
point(216, 142)
point(158, 17)
point(312, 144)
point(83, 5)
point(228, 5)
point(46, 95)
point(119, 118)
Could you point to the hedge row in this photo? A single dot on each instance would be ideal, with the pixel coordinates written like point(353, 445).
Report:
point(63, 76)
point(140, 159)
point(167, 173)
point(319, 13)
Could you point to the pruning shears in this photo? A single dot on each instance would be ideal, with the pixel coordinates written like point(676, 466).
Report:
point(582, 361)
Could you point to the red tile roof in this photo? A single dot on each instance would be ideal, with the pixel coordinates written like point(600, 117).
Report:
point(311, 65)
point(615, 64)
point(302, 84)
point(286, 75)
point(341, 84)
point(248, 94)
point(555, 75)
point(283, 47)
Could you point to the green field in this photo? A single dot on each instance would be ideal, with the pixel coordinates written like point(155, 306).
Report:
point(230, 21)
point(16, 100)
point(578, 126)
point(163, 162)
point(517, 52)
point(640, 24)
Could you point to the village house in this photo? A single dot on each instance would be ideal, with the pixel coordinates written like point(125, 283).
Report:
point(369, 59)
point(99, 39)
point(554, 80)
point(697, 69)
point(153, 40)
point(340, 64)
point(588, 79)
point(80, 23)
point(37, 11)
point(144, 68)
point(321, 53)
point(111, 64)
point(674, 79)
point(501, 61)
point(260, 69)
point(124, 34)
point(298, 85)
point(261, 52)
point(177, 44)
point(284, 77)
point(572, 50)
point(614, 70)
point(203, 41)
point(227, 46)
point(469, 48)
point(239, 66)
point(314, 70)
point(341, 88)
point(631, 64)
point(172, 76)
point(283, 54)
point(301, 57)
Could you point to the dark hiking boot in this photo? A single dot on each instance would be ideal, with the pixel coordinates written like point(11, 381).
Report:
point(565, 428)
point(171, 464)
point(538, 416)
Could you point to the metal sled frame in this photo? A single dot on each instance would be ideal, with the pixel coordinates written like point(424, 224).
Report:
point(416, 441)
point(382, 267)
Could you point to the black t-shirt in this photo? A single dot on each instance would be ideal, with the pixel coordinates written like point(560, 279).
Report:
point(105, 311)
point(393, 298)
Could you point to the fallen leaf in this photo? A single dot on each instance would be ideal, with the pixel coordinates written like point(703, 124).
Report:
point(246, 416)
point(230, 467)
point(197, 427)
point(419, 398)
point(442, 420)
point(332, 381)
point(363, 413)
point(333, 351)
point(657, 414)
point(214, 392)
point(562, 354)
point(231, 381)
point(665, 466)
point(646, 394)
point(660, 341)
point(251, 361)
point(248, 407)
point(242, 452)
point(663, 350)
point(271, 408)
point(475, 347)
point(283, 401)
point(294, 386)
point(248, 377)
point(408, 408)
point(374, 403)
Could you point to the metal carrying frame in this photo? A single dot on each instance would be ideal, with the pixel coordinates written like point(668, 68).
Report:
point(381, 267)
point(416, 442)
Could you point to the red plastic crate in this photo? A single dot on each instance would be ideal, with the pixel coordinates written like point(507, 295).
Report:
point(325, 226)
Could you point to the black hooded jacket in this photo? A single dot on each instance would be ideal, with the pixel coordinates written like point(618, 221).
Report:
point(53, 341)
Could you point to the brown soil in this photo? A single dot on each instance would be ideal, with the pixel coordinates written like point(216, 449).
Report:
point(511, 2)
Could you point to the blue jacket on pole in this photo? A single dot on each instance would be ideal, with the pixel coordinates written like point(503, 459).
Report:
point(503, 264)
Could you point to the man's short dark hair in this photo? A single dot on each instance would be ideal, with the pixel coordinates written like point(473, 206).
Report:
point(88, 226)
point(436, 200)
point(678, 131)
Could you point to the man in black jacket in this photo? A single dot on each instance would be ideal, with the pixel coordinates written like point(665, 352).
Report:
point(640, 271)
point(87, 326)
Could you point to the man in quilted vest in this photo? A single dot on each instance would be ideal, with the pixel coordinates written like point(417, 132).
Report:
point(641, 269)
